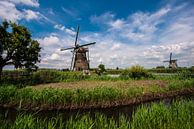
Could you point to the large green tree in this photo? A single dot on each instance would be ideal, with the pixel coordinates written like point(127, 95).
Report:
point(17, 47)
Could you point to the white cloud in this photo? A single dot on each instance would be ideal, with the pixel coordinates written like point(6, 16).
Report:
point(30, 15)
point(137, 27)
point(118, 24)
point(180, 31)
point(116, 46)
point(104, 18)
point(66, 30)
point(69, 12)
point(144, 38)
point(142, 30)
point(59, 27)
point(55, 56)
point(70, 31)
point(181, 51)
point(33, 3)
point(51, 40)
point(8, 11)
point(51, 56)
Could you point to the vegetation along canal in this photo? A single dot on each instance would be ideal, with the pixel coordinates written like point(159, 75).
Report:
point(110, 112)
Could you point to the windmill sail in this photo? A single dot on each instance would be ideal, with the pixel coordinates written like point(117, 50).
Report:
point(87, 44)
point(79, 61)
point(63, 49)
point(172, 62)
point(77, 34)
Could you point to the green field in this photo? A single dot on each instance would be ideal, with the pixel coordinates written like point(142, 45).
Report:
point(85, 92)
point(51, 89)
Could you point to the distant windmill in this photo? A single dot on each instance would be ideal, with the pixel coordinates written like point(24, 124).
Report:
point(80, 59)
point(172, 63)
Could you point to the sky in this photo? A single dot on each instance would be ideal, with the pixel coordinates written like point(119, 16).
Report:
point(126, 32)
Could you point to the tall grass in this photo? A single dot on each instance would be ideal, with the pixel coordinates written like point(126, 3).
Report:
point(179, 115)
point(51, 97)
point(26, 97)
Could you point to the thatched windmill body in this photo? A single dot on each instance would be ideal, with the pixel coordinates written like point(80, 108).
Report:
point(172, 62)
point(80, 59)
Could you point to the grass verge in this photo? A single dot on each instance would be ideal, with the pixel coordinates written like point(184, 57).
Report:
point(179, 115)
point(28, 98)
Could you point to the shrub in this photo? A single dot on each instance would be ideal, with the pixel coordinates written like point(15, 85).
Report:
point(126, 74)
point(114, 71)
point(46, 76)
point(101, 69)
point(191, 69)
point(41, 76)
point(7, 93)
point(184, 74)
point(160, 67)
point(135, 72)
point(138, 72)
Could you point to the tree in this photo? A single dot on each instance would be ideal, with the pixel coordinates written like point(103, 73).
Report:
point(17, 47)
point(160, 67)
point(101, 67)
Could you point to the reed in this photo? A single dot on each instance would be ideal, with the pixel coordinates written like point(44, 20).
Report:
point(178, 115)
point(50, 96)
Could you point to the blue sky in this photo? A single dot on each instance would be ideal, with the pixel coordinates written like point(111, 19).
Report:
point(127, 32)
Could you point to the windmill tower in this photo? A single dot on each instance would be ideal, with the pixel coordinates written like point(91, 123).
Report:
point(80, 59)
point(172, 62)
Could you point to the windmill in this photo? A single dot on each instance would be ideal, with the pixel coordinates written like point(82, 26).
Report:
point(172, 62)
point(80, 59)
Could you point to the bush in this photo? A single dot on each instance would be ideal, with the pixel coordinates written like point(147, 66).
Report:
point(184, 74)
point(135, 72)
point(114, 71)
point(160, 67)
point(192, 69)
point(125, 74)
point(46, 76)
point(101, 69)
point(41, 76)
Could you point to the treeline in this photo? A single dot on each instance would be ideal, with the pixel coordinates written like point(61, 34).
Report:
point(170, 70)
point(23, 77)
point(158, 69)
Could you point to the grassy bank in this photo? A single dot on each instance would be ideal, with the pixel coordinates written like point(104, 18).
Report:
point(53, 97)
point(179, 115)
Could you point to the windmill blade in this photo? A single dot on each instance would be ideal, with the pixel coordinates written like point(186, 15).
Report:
point(77, 35)
point(72, 61)
point(88, 60)
point(170, 56)
point(87, 44)
point(63, 49)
